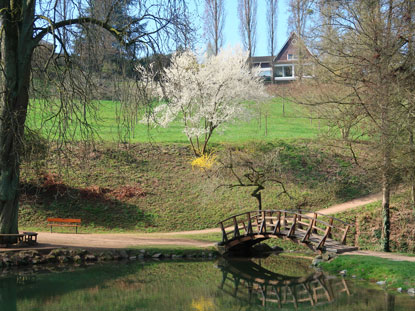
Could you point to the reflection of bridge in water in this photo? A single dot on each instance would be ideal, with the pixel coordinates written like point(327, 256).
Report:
point(252, 284)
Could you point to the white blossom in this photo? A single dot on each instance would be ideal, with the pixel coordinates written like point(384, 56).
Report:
point(207, 94)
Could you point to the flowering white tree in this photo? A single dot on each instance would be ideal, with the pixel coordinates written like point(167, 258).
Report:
point(207, 94)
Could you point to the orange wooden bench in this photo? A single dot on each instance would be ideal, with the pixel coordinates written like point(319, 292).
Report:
point(64, 222)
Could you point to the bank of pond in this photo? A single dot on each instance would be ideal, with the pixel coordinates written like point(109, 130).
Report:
point(282, 281)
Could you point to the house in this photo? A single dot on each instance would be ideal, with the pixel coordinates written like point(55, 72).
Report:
point(285, 63)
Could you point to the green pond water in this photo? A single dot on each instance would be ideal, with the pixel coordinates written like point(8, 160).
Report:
point(275, 283)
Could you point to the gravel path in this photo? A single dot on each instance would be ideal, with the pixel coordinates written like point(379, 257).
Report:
point(391, 256)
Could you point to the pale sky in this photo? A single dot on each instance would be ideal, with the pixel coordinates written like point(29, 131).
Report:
point(231, 31)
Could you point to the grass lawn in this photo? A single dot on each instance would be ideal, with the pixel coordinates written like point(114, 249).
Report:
point(394, 273)
point(293, 123)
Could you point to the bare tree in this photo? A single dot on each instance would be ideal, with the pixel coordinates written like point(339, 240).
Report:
point(247, 10)
point(214, 22)
point(365, 81)
point(272, 20)
point(28, 25)
point(254, 171)
point(299, 20)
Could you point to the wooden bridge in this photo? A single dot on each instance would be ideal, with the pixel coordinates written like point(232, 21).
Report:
point(317, 231)
point(267, 289)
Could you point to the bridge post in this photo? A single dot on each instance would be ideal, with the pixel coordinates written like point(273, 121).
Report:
point(250, 231)
point(315, 218)
point(300, 226)
point(235, 228)
point(270, 213)
point(285, 219)
point(224, 236)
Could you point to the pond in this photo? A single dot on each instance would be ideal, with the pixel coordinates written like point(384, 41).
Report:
point(275, 283)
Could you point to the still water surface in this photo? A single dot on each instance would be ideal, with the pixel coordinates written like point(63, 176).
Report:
point(275, 283)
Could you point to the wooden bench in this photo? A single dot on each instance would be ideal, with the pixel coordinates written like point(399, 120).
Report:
point(64, 222)
point(30, 238)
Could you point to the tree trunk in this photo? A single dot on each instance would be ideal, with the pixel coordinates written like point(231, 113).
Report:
point(259, 199)
point(257, 195)
point(386, 189)
point(16, 51)
point(266, 124)
point(411, 167)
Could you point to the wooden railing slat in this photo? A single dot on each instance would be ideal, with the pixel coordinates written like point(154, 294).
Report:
point(292, 229)
point(343, 240)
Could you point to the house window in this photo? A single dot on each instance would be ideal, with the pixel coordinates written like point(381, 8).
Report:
point(285, 71)
point(291, 56)
point(279, 72)
point(265, 73)
point(288, 71)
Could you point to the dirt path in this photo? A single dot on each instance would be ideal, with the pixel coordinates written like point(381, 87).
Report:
point(391, 256)
point(123, 240)
point(338, 208)
point(91, 241)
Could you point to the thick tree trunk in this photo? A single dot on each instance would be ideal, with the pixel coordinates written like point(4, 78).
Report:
point(16, 52)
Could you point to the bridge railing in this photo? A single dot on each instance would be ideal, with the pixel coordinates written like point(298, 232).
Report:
point(292, 224)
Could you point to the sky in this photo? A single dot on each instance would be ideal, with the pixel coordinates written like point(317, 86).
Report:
point(232, 34)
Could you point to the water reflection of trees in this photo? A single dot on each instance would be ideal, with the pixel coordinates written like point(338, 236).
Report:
point(28, 283)
point(252, 284)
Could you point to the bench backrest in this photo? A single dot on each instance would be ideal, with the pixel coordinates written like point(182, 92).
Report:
point(65, 220)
